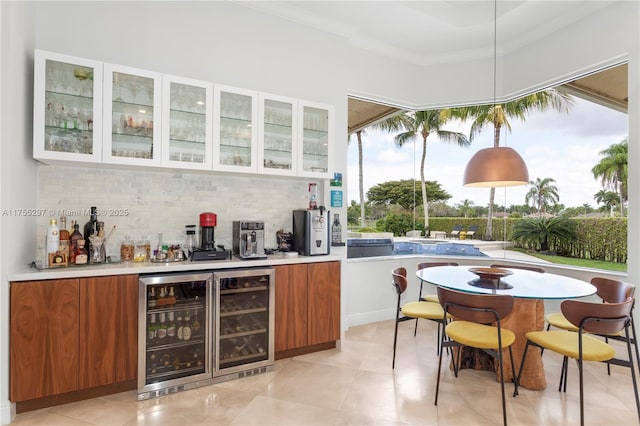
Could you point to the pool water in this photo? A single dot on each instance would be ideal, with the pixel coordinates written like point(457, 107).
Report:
point(435, 248)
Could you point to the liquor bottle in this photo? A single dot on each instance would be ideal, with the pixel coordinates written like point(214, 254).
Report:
point(186, 329)
point(75, 237)
point(82, 256)
point(151, 330)
point(162, 329)
point(195, 325)
point(162, 297)
point(152, 301)
point(90, 227)
point(65, 242)
point(171, 297)
point(171, 328)
point(180, 328)
point(53, 239)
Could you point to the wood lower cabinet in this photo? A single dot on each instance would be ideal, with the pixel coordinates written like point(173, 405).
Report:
point(72, 335)
point(43, 338)
point(307, 307)
point(108, 331)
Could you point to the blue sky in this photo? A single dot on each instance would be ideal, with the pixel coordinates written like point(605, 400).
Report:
point(556, 145)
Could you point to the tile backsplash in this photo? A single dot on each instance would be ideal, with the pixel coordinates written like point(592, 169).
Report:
point(144, 203)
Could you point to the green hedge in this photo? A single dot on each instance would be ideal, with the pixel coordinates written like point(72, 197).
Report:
point(598, 238)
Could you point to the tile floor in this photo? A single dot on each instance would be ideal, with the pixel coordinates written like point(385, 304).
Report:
point(356, 386)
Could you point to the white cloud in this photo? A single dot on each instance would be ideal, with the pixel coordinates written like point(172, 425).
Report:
point(561, 146)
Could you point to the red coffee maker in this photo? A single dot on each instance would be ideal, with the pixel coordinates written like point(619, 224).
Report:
point(208, 249)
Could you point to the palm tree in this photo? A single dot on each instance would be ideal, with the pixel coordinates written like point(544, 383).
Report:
point(466, 207)
point(542, 193)
point(359, 134)
point(541, 230)
point(498, 115)
point(613, 170)
point(414, 124)
point(610, 199)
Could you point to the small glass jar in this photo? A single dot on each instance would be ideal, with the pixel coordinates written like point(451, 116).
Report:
point(126, 249)
point(141, 254)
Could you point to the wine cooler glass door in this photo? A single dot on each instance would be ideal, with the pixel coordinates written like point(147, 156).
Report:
point(174, 331)
point(245, 324)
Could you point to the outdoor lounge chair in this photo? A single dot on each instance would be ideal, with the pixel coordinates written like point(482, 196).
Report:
point(471, 231)
point(455, 232)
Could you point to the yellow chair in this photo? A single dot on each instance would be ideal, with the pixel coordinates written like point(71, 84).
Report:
point(473, 313)
point(413, 310)
point(587, 317)
point(610, 291)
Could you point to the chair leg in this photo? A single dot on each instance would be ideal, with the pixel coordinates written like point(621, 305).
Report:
point(516, 379)
point(504, 402)
point(415, 329)
point(581, 390)
point(395, 341)
point(635, 340)
point(439, 369)
point(633, 373)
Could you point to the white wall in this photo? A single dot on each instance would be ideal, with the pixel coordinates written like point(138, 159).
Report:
point(230, 44)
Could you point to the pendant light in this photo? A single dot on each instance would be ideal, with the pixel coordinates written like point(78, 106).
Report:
point(497, 166)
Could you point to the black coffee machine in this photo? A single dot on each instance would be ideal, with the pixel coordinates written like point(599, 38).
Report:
point(208, 249)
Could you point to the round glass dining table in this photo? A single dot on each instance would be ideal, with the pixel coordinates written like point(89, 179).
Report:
point(521, 283)
point(529, 288)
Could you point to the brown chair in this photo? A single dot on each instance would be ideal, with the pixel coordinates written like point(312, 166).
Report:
point(413, 310)
point(610, 291)
point(588, 317)
point(473, 313)
point(527, 268)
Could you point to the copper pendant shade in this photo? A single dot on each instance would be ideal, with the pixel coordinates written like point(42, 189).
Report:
point(496, 167)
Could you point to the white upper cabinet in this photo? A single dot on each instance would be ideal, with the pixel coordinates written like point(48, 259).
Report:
point(315, 139)
point(187, 117)
point(235, 136)
point(132, 114)
point(67, 110)
point(278, 135)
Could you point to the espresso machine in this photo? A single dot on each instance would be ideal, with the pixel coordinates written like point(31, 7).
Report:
point(208, 249)
point(311, 231)
point(248, 239)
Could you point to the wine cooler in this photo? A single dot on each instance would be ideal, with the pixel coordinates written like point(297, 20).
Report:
point(244, 330)
point(199, 328)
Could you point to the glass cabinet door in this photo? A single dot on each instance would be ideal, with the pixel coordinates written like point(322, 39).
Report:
point(278, 135)
point(186, 123)
point(315, 139)
point(235, 135)
point(132, 116)
point(67, 108)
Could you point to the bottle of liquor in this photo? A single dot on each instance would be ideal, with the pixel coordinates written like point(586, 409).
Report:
point(82, 255)
point(53, 239)
point(171, 297)
point(151, 330)
point(179, 328)
point(152, 301)
point(171, 328)
point(90, 227)
point(195, 325)
point(162, 329)
point(65, 242)
point(186, 330)
point(75, 237)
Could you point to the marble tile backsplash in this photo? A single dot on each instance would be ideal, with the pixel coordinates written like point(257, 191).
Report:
point(142, 203)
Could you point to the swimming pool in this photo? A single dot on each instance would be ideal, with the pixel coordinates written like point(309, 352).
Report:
point(435, 247)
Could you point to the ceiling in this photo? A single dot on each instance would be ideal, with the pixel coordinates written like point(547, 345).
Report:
point(454, 31)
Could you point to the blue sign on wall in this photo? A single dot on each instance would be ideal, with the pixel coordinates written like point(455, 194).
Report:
point(336, 198)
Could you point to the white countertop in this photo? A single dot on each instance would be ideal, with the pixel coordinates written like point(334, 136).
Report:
point(30, 274)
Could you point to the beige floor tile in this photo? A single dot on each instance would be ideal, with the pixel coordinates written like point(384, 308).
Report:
point(357, 386)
